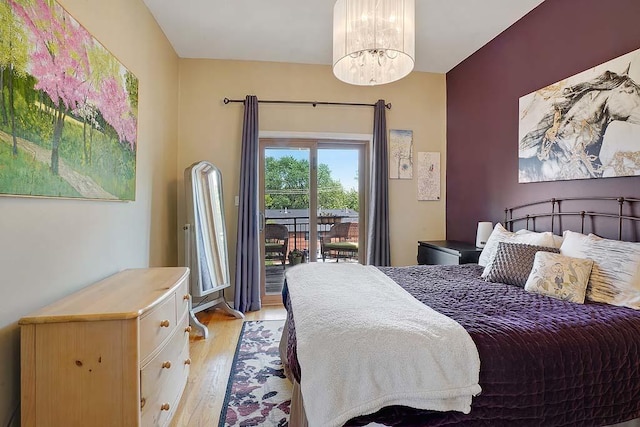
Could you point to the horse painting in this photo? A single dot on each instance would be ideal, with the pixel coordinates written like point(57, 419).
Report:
point(566, 143)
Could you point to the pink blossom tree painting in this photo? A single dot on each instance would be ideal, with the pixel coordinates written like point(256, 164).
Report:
point(76, 108)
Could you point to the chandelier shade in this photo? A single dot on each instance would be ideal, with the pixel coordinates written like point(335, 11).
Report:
point(373, 40)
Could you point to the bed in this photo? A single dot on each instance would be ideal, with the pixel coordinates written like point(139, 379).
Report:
point(543, 361)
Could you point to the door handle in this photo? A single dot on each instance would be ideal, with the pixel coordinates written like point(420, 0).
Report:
point(261, 221)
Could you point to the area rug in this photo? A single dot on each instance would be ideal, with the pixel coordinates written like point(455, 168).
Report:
point(258, 393)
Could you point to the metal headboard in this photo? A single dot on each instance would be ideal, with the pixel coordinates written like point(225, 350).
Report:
point(556, 213)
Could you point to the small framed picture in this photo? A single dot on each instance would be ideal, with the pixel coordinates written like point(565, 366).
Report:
point(400, 154)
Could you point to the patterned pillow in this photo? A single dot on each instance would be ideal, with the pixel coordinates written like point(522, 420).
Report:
point(615, 278)
point(513, 262)
point(559, 276)
point(500, 234)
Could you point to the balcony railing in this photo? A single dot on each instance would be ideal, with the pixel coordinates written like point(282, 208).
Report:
point(297, 221)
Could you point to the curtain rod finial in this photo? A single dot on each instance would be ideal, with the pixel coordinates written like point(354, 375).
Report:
point(226, 100)
point(388, 105)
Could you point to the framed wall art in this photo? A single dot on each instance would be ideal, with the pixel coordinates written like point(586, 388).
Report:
point(585, 126)
point(68, 110)
point(400, 154)
point(428, 176)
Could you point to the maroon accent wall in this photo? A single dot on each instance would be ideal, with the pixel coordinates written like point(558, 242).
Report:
point(556, 40)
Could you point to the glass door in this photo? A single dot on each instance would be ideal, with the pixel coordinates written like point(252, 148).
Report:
point(286, 203)
point(340, 191)
point(311, 193)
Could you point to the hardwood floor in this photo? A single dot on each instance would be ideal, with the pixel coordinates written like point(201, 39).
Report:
point(211, 361)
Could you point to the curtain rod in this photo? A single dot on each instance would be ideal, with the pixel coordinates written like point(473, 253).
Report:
point(314, 103)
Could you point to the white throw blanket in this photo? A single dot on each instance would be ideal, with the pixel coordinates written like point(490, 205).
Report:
point(365, 343)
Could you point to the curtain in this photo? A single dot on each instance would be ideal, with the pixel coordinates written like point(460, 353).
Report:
point(247, 283)
point(378, 250)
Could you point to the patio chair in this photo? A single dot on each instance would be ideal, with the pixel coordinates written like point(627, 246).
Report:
point(341, 241)
point(276, 242)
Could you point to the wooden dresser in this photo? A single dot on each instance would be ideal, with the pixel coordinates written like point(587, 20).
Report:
point(113, 354)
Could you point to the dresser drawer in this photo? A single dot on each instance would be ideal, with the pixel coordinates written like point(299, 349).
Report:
point(185, 360)
point(155, 373)
point(182, 299)
point(162, 379)
point(159, 412)
point(156, 326)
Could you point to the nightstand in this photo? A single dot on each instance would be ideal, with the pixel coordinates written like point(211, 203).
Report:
point(447, 252)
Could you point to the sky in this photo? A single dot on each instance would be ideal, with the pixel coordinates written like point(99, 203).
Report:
point(342, 163)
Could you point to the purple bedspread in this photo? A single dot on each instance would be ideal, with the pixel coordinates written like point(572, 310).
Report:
point(544, 362)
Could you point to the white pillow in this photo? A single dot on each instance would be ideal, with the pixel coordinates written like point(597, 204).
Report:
point(615, 277)
point(500, 234)
point(575, 234)
point(557, 240)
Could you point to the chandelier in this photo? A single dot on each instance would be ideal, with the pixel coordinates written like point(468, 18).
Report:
point(373, 40)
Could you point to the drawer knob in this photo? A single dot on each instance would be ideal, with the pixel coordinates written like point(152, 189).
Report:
point(166, 365)
point(164, 324)
point(187, 362)
point(164, 407)
point(187, 329)
point(186, 297)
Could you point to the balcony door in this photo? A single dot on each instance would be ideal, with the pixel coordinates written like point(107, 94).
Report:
point(311, 192)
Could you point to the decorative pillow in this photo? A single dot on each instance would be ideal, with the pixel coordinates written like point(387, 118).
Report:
point(500, 234)
point(557, 240)
point(559, 276)
point(513, 262)
point(615, 278)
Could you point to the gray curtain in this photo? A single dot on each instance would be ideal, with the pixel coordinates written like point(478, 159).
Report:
point(247, 290)
point(378, 250)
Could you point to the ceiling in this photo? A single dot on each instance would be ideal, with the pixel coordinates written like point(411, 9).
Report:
point(300, 31)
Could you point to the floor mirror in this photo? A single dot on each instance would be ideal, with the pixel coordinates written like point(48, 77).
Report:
point(206, 251)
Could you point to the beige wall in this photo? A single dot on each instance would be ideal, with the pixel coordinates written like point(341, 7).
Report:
point(49, 247)
point(210, 130)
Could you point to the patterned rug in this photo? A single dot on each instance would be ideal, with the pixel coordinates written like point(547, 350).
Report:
point(258, 393)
